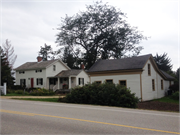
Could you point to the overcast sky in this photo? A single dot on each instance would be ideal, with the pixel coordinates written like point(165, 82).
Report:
point(29, 24)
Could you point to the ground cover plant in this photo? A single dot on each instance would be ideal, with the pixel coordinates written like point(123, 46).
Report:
point(102, 94)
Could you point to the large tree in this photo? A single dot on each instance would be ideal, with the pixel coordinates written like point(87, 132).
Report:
point(9, 52)
point(163, 62)
point(46, 52)
point(6, 74)
point(101, 32)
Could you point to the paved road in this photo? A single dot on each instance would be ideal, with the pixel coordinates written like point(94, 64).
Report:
point(32, 117)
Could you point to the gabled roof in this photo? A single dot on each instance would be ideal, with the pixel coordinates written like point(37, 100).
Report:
point(120, 64)
point(67, 73)
point(37, 65)
point(169, 77)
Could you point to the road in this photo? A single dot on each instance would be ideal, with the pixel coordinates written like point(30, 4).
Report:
point(33, 117)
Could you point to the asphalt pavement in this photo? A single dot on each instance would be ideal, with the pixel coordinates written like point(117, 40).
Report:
point(34, 117)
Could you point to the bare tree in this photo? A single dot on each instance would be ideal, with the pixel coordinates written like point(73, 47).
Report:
point(9, 52)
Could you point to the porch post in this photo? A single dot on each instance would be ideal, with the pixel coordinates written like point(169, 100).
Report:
point(58, 84)
point(69, 82)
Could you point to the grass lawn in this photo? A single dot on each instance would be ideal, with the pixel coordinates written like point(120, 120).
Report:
point(167, 100)
point(15, 94)
point(39, 99)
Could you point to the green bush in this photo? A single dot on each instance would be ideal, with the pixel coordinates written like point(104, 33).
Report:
point(175, 95)
point(19, 92)
point(41, 92)
point(103, 94)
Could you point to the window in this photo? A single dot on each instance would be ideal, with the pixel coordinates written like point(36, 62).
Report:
point(153, 85)
point(123, 83)
point(109, 81)
point(98, 82)
point(21, 72)
point(23, 82)
point(169, 83)
point(39, 70)
point(81, 81)
point(54, 67)
point(149, 69)
point(39, 81)
point(162, 85)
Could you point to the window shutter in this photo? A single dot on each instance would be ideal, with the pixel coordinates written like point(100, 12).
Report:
point(83, 81)
point(41, 81)
point(24, 82)
point(37, 81)
point(79, 81)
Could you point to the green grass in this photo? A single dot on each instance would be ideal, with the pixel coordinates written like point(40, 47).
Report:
point(39, 99)
point(167, 100)
point(15, 94)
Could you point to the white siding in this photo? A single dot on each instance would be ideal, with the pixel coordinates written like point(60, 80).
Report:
point(84, 75)
point(147, 92)
point(59, 68)
point(133, 81)
point(31, 74)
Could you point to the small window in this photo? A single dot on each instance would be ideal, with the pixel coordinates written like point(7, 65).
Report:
point(123, 83)
point(162, 85)
point(54, 67)
point(23, 82)
point(153, 85)
point(98, 82)
point(109, 81)
point(169, 83)
point(39, 70)
point(39, 81)
point(149, 69)
point(21, 72)
point(81, 81)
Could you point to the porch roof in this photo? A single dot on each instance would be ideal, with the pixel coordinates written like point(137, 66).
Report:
point(67, 73)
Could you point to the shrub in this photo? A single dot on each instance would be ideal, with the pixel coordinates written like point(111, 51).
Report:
point(19, 92)
point(175, 95)
point(103, 94)
point(41, 92)
point(17, 87)
point(174, 87)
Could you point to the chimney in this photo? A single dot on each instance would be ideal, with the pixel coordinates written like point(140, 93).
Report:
point(39, 59)
point(82, 65)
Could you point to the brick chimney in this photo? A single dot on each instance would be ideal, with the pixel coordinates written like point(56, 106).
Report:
point(82, 65)
point(39, 59)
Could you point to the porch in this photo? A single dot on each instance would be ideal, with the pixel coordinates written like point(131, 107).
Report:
point(62, 83)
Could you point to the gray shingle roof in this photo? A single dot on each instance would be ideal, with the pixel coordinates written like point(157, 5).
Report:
point(120, 64)
point(35, 65)
point(67, 73)
point(169, 77)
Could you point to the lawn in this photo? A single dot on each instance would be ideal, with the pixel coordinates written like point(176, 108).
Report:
point(167, 100)
point(39, 99)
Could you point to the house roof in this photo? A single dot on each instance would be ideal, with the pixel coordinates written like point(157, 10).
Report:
point(35, 65)
point(169, 77)
point(120, 64)
point(67, 73)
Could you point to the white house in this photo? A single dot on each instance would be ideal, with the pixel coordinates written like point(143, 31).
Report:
point(51, 74)
point(140, 74)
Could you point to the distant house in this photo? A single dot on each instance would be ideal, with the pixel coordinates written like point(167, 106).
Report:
point(51, 74)
point(140, 74)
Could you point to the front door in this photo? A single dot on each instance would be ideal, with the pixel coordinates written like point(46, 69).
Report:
point(32, 82)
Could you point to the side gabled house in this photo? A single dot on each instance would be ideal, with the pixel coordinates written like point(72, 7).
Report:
point(140, 74)
point(51, 74)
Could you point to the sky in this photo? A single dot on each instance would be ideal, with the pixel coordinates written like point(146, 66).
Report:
point(29, 24)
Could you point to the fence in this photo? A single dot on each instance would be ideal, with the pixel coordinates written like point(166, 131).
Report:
point(3, 89)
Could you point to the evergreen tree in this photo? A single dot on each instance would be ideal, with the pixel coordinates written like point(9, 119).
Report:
point(6, 75)
point(163, 62)
point(46, 52)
